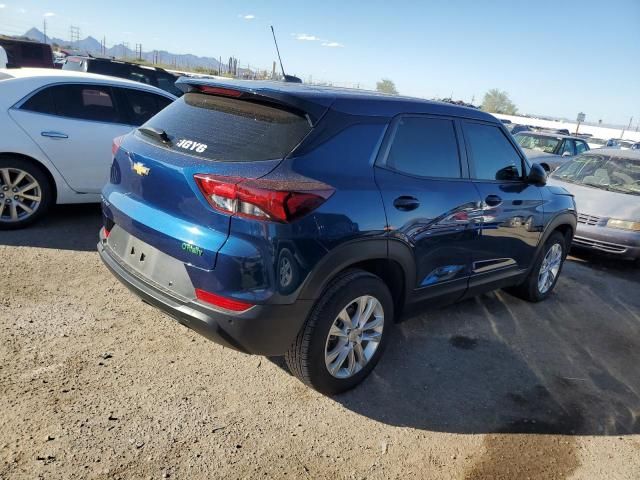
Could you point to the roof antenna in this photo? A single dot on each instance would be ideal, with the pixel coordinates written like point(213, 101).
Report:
point(287, 78)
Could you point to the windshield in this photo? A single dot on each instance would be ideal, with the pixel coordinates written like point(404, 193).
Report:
point(603, 171)
point(537, 142)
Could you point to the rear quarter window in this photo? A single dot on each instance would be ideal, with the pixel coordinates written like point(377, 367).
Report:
point(228, 129)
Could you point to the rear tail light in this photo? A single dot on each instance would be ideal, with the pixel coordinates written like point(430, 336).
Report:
point(115, 146)
point(280, 201)
point(222, 302)
point(106, 232)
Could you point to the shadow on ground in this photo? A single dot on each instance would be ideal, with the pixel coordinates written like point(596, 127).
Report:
point(497, 364)
point(66, 227)
point(607, 263)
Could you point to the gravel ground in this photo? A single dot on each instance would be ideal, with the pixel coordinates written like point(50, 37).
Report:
point(96, 384)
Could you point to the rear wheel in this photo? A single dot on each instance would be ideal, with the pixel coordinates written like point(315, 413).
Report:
point(345, 334)
point(25, 193)
point(545, 272)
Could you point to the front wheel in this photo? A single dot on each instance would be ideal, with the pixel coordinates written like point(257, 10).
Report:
point(25, 193)
point(345, 334)
point(545, 272)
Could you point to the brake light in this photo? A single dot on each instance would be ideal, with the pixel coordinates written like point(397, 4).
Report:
point(225, 92)
point(222, 302)
point(115, 146)
point(280, 201)
point(106, 232)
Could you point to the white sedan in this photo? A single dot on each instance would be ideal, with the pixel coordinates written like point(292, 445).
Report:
point(57, 129)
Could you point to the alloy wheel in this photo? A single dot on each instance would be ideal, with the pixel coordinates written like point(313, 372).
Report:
point(550, 268)
point(20, 195)
point(354, 336)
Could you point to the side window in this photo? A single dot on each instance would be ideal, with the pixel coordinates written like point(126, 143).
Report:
point(141, 105)
point(568, 147)
point(581, 147)
point(86, 102)
point(493, 155)
point(41, 102)
point(426, 147)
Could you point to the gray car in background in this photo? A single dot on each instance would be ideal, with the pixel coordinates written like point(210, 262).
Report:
point(606, 186)
point(550, 148)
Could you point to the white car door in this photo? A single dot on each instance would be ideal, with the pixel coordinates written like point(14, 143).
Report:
point(74, 125)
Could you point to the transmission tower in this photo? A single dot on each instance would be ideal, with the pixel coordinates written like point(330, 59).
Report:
point(74, 35)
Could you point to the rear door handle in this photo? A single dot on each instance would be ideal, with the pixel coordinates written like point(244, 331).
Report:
point(406, 203)
point(493, 200)
point(54, 134)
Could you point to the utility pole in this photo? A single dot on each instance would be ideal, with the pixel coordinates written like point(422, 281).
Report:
point(104, 45)
point(139, 51)
point(74, 35)
point(44, 28)
point(125, 48)
point(628, 127)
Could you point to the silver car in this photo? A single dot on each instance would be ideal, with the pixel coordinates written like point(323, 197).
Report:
point(606, 186)
point(550, 148)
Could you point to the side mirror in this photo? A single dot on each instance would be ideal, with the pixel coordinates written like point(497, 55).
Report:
point(537, 175)
point(546, 167)
point(566, 154)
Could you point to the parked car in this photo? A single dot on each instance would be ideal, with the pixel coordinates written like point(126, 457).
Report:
point(606, 185)
point(253, 213)
point(625, 144)
point(516, 128)
point(551, 149)
point(26, 53)
point(57, 128)
point(635, 146)
point(155, 76)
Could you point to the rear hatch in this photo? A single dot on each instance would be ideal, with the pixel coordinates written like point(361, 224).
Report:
point(220, 132)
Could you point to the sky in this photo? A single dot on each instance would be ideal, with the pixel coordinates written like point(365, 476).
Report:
point(554, 58)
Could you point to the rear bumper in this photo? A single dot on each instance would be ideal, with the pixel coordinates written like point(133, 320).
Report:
point(263, 329)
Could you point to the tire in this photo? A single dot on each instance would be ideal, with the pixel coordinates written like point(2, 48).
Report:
point(288, 272)
point(20, 205)
point(307, 356)
point(530, 289)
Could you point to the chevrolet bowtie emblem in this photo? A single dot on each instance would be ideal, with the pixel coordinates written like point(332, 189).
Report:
point(140, 169)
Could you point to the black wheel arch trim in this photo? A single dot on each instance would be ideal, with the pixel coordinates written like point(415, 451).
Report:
point(357, 251)
point(566, 217)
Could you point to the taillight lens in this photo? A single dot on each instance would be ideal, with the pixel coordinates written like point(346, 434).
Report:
point(280, 201)
point(222, 302)
point(225, 92)
point(115, 146)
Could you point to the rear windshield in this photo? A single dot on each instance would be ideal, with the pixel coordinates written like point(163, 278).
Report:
point(228, 129)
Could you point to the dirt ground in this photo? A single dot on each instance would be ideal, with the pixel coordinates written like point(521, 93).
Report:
point(96, 384)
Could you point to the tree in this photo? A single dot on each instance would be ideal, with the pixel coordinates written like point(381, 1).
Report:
point(386, 86)
point(496, 101)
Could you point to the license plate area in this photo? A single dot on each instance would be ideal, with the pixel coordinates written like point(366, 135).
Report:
point(150, 264)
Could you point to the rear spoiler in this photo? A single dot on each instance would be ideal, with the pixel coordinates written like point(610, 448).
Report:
point(300, 99)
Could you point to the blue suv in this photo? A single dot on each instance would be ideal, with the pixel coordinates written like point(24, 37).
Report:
point(283, 219)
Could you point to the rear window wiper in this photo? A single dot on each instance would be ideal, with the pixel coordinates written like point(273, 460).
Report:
point(156, 133)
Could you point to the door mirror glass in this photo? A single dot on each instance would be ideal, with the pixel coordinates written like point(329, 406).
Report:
point(566, 154)
point(537, 175)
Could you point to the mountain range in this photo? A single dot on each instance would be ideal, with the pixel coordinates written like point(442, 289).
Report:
point(91, 45)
